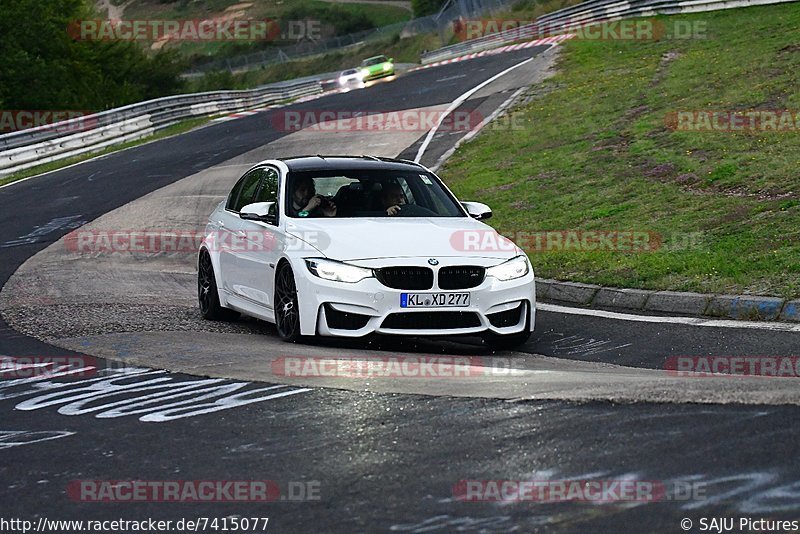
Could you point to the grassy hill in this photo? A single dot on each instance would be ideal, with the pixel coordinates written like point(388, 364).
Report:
point(596, 149)
point(333, 18)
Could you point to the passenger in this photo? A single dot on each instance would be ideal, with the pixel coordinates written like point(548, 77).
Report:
point(307, 203)
point(392, 199)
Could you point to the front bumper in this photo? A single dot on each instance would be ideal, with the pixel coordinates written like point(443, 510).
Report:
point(354, 310)
point(351, 82)
point(378, 74)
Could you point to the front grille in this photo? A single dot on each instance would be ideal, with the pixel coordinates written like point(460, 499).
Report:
point(461, 277)
point(442, 320)
point(344, 320)
point(505, 318)
point(405, 277)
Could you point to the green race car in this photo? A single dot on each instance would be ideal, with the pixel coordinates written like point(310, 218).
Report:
point(376, 67)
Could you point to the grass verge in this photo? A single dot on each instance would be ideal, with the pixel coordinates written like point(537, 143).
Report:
point(329, 18)
point(592, 151)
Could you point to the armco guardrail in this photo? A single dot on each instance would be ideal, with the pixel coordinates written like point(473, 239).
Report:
point(44, 144)
point(606, 10)
point(486, 42)
point(592, 11)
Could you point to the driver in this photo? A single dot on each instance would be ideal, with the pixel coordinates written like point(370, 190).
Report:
point(307, 203)
point(392, 199)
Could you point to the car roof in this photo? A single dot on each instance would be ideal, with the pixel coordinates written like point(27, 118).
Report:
point(322, 163)
point(375, 57)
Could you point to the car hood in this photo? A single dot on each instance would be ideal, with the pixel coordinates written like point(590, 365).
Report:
point(389, 237)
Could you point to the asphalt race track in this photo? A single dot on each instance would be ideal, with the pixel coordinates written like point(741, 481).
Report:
point(587, 399)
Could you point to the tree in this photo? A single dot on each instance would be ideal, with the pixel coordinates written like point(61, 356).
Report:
point(43, 68)
point(425, 7)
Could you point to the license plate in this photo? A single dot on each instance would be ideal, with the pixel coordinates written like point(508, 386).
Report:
point(434, 300)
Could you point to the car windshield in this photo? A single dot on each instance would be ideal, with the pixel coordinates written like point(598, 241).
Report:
point(349, 71)
point(360, 193)
point(373, 61)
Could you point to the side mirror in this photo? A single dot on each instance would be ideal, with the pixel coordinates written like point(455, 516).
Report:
point(476, 210)
point(391, 60)
point(260, 212)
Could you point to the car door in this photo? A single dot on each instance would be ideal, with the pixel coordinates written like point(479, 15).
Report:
point(230, 243)
point(256, 261)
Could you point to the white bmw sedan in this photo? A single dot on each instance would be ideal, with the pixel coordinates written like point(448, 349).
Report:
point(351, 246)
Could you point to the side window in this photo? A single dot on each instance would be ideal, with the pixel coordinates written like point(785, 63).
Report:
point(247, 191)
point(234, 194)
point(269, 186)
point(268, 192)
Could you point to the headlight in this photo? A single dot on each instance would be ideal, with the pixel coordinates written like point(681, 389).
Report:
point(337, 271)
point(342, 80)
point(510, 270)
point(364, 73)
point(386, 66)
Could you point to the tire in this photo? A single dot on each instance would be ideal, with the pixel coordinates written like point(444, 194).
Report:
point(207, 293)
point(287, 310)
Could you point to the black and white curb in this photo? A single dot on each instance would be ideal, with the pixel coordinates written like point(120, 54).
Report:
point(746, 307)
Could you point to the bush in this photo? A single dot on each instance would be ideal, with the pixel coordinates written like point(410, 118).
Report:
point(425, 7)
point(42, 67)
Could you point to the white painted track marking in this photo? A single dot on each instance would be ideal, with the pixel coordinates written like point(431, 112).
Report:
point(460, 100)
point(689, 321)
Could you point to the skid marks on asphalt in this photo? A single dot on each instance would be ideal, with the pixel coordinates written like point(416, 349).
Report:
point(19, 438)
point(39, 233)
point(560, 344)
